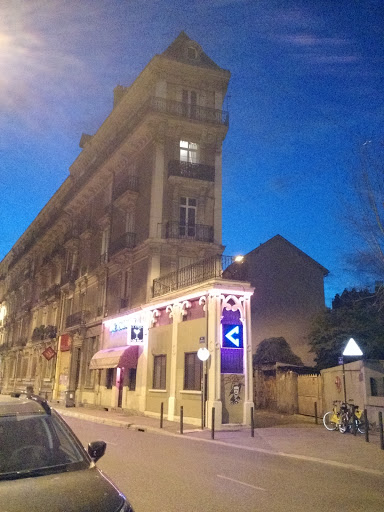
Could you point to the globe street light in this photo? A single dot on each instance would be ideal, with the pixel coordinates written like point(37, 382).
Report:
point(203, 355)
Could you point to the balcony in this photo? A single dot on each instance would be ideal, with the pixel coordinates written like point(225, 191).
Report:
point(192, 112)
point(213, 267)
point(76, 319)
point(198, 232)
point(191, 170)
point(126, 241)
point(69, 276)
point(130, 183)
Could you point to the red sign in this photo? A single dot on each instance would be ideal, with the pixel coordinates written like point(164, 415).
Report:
point(49, 353)
point(65, 342)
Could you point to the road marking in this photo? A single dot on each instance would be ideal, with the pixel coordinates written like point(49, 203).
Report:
point(242, 483)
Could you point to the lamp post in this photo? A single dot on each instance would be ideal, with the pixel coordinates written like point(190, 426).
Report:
point(351, 349)
point(203, 355)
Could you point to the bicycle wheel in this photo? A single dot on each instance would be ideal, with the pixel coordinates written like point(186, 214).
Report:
point(344, 424)
point(360, 425)
point(328, 420)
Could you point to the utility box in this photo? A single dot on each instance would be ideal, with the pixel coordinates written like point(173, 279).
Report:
point(70, 398)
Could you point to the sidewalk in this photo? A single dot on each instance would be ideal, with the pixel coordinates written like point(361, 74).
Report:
point(296, 437)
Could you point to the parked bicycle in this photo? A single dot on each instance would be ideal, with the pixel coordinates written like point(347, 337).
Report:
point(331, 419)
point(344, 417)
point(352, 418)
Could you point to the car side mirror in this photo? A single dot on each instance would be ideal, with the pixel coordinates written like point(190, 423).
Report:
point(96, 450)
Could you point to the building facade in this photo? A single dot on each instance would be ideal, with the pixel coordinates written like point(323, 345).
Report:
point(136, 224)
point(289, 293)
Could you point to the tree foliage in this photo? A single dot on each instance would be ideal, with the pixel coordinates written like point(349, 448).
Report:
point(366, 213)
point(354, 314)
point(273, 350)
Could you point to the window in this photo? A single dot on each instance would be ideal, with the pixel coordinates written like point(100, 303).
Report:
point(132, 379)
point(192, 53)
point(373, 386)
point(188, 206)
point(159, 372)
point(109, 378)
point(91, 345)
point(192, 371)
point(188, 152)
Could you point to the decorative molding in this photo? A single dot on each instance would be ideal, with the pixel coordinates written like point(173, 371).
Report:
point(238, 304)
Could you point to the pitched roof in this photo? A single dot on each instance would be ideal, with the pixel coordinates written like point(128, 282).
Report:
point(280, 239)
point(179, 50)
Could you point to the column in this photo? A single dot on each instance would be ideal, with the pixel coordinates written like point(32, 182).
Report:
point(176, 314)
point(248, 363)
point(214, 361)
point(217, 195)
point(156, 209)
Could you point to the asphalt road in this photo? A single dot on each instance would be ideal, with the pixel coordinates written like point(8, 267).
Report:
point(161, 473)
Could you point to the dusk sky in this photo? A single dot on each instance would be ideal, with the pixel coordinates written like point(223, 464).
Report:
point(306, 94)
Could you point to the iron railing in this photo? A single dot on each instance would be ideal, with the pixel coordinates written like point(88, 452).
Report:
point(193, 112)
point(191, 170)
point(78, 318)
point(209, 268)
point(199, 232)
point(130, 182)
point(126, 241)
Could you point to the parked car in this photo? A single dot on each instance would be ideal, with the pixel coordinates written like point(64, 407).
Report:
point(44, 467)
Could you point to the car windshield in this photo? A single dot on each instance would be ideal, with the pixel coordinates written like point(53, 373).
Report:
point(34, 444)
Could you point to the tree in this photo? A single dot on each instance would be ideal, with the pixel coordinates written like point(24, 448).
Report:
point(354, 314)
point(367, 215)
point(272, 350)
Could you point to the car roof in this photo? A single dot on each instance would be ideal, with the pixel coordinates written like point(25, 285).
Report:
point(22, 405)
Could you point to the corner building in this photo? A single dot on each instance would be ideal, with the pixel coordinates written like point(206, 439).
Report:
point(110, 293)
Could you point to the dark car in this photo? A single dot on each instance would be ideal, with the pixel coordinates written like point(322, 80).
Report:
point(44, 467)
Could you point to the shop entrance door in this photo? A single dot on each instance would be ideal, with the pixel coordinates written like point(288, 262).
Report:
point(119, 384)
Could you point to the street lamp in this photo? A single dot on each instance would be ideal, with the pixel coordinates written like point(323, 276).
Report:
point(203, 355)
point(351, 349)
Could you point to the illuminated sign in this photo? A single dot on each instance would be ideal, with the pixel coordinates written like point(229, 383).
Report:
point(232, 336)
point(119, 325)
point(137, 334)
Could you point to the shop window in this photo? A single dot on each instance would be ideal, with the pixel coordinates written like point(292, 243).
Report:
point(192, 371)
point(109, 378)
point(159, 372)
point(132, 379)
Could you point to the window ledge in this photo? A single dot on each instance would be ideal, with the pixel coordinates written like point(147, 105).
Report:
point(190, 392)
point(157, 390)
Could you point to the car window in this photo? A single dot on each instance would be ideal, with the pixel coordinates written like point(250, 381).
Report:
point(35, 442)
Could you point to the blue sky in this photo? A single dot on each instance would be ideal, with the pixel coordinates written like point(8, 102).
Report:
point(305, 94)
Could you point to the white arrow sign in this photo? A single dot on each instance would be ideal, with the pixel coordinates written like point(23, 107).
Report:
point(233, 340)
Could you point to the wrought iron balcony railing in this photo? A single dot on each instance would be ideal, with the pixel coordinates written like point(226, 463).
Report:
point(191, 170)
point(126, 241)
point(193, 112)
point(198, 232)
point(209, 268)
point(130, 182)
point(78, 318)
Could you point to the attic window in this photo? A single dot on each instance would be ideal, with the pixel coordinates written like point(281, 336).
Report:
point(192, 53)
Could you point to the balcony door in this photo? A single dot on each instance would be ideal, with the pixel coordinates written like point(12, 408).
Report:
point(187, 224)
point(189, 99)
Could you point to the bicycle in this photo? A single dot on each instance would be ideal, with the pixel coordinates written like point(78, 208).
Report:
point(331, 419)
point(352, 418)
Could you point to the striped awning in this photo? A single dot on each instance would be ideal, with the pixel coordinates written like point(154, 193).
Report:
point(116, 357)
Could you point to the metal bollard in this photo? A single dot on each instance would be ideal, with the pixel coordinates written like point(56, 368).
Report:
point(354, 429)
point(366, 426)
point(316, 413)
point(161, 414)
point(252, 424)
point(213, 424)
point(181, 419)
point(381, 430)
